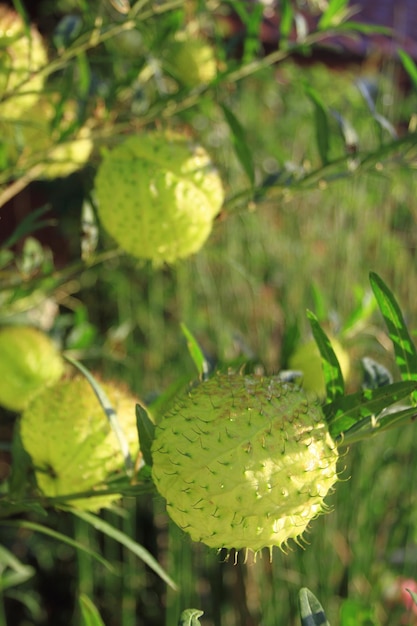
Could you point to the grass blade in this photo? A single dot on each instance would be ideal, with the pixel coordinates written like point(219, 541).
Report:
point(404, 348)
point(409, 66)
point(335, 386)
point(39, 528)
point(146, 431)
point(127, 542)
point(89, 612)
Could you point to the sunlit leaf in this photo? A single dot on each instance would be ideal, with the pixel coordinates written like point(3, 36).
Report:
point(332, 371)
point(335, 13)
point(12, 571)
point(409, 66)
point(404, 348)
point(196, 353)
point(346, 411)
point(190, 617)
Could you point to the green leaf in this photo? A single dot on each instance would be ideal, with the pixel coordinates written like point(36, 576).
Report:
point(12, 571)
point(311, 611)
point(347, 411)
point(286, 20)
point(89, 612)
point(146, 431)
point(39, 528)
point(404, 348)
point(321, 124)
point(240, 145)
point(189, 617)
point(126, 541)
point(335, 386)
point(356, 613)
point(335, 13)
point(409, 66)
point(196, 353)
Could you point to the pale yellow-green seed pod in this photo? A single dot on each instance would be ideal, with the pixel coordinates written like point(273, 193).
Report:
point(71, 443)
point(29, 361)
point(244, 462)
point(157, 196)
point(22, 56)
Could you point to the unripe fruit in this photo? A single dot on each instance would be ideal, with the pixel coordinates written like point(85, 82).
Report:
point(29, 360)
point(306, 359)
point(35, 142)
point(71, 443)
point(244, 462)
point(22, 55)
point(158, 195)
point(191, 61)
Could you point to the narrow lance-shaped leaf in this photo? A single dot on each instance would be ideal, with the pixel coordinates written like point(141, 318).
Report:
point(409, 66)
point(333, 376)
point(146, 432)
point(311, 611)
point(240, 144)
point(126, 541)
point(392, 418)
point(346, 411)
point(321, 124)
point(334, 14)
point(196, 353)
point(404, 348)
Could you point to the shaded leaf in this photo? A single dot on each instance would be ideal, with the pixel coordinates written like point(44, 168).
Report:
point(146, 432)
point(12, 571)
point(89, 612)
point(409, 66)
point(321, 124)
point(126, 541)
point(311, 611)
point(242, 150)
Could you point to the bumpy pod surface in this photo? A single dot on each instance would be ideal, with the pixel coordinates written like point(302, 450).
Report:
point(29, 360)
point(158, 195)
point(22, 55)
point(244, 462)
point(70, 441)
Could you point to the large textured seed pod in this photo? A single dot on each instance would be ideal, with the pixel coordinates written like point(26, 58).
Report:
point(244, 462)
point(29, 361)
point(158, 195)
point(22, 55)
point(70, 441)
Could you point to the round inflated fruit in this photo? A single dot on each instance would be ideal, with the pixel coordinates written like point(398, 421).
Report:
point(29, 361)
point(22, 55)
point(191, 61)
point(244, 462)
point(307, 360)
point(71, 443)
point(158, 195)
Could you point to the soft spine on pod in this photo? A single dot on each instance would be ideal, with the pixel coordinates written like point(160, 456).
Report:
point(244, 462)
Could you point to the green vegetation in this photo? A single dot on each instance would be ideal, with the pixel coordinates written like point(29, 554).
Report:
point(316, 234)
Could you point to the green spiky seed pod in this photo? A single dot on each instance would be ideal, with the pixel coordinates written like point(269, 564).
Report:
point(244, 462)
point(29, 360)
point(22, 55)
point(158, 195)
point(71, 443)
point(191, 60)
